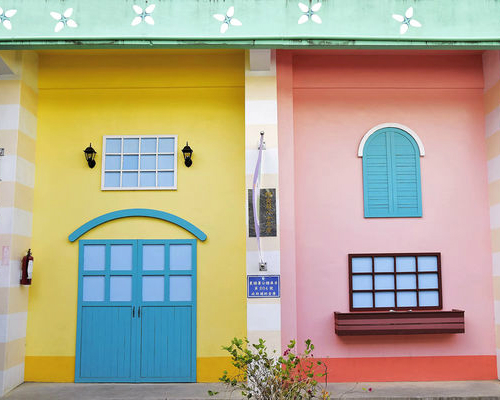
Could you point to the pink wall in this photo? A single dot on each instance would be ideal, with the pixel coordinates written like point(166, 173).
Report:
point(327, 102)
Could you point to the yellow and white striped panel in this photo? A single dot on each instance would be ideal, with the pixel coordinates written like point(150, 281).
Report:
point(261, 114)
point(18, 111)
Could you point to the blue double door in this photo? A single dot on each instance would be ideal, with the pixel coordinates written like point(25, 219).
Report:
point(136, 311)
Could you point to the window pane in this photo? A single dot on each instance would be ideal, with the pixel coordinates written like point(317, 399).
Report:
point(384, 264)
point(362, 282)
point(166, 145)
point(113, 145)
point(362, 300)
point(165, 179)
point(120, 288)
point(384, 299)
point(148, 145)
point(113, 162)
point(180, 256)
point(428, 281)
point(361, 264)
point(112, 179)
point(427, 263)
point(428, 299)
point(153, 257)
point(153, 288)
point(148, 162)
point(165, 162)
point(93, 288)
point(180, 288)
point(129, 179)
point(131, 162)
point(148, 179)
point(384, 282)
point(406, 281)
point(405, 264)
point(94, 257)
point(131, 145)
point(121, 257)
point(407, 299)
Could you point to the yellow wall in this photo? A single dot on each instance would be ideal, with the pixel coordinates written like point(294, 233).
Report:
point(197, 95)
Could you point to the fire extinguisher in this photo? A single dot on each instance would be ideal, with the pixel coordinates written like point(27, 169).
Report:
point(27, 269)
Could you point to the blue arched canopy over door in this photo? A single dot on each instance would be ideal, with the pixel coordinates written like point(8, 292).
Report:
point(391, 175)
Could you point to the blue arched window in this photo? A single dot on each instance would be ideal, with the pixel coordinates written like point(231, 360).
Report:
point(391, 173)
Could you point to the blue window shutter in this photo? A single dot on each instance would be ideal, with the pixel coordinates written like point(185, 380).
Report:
point(391, 175)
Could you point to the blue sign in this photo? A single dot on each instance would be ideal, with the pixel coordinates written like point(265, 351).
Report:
point(263, 286)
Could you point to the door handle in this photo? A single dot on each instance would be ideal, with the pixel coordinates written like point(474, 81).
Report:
point(133, 312)
point(139, 312)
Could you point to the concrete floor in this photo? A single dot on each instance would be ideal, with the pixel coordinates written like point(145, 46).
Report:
point(197, 391)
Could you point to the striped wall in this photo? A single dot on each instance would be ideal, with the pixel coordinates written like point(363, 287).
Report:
point(491, 66)
point(261, 114)
point(18, 110)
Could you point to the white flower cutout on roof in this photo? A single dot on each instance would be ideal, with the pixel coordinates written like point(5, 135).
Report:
point(5, 17)
point(406, 21)
point(227, 20)
point(309, 13)
point(63, 20)
point(143, 15)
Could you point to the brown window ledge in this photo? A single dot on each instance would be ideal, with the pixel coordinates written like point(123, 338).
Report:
point(399, 322)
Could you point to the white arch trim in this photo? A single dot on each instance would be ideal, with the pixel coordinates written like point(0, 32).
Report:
point(391, 125)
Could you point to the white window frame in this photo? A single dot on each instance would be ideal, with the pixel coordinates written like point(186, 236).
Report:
point(139, 154)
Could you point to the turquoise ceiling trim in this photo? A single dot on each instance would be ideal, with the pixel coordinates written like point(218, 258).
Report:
point(137, 212)
point(249, 23)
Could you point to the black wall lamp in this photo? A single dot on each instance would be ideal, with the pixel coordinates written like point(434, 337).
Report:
point(90, 156)
point(188, 153)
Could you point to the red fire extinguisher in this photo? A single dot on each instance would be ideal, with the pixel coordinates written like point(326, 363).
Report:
point(27, 269)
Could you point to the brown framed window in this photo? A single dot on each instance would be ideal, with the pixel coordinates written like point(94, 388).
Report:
point(395, 281)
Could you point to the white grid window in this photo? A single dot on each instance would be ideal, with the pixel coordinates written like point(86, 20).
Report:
point(139, 163)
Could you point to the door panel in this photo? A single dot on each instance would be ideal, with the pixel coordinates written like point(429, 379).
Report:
point(106, 347)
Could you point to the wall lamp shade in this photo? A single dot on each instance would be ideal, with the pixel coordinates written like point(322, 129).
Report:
point(188, 154)
point(90, 156)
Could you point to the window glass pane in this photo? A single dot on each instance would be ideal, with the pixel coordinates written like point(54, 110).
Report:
point(406, 281)
point(384, 299)
point(93, 288)
point(94, 257)
point(120, 288)
point(180, 256)
point(148, 179)
point(384, 264)
point(148, 162)
point(180, 288)
point(129, 179)
point(407, 299)
point(427, 263)
point(148, 145)
point(112, 179)
point(166, 145)
point(165, 179)
point(165, 162)
point(384, 282)
point(131, 162)
point(362, 300)
point(153, 288)
point(405, 264)
point(121, 257)
point(427, 281)
point(113, 162)
point(131, 145)
point(428, 299)
point(153, 257)
point(113, 145)
point(362, 282)
point(361, 264)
